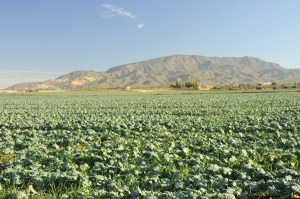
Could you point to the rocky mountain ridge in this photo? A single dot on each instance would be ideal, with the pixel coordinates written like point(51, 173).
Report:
point(166, 70)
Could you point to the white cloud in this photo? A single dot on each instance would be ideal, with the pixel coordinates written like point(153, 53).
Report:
point(140, 26)
point(119, 10)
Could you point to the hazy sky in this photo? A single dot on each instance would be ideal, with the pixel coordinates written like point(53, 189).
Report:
point(42, 39)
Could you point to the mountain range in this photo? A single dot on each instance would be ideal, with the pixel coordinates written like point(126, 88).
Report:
point(164, 71)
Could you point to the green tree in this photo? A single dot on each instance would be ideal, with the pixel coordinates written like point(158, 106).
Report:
point(196, 85)
point(259, 86)
point(192, 84)
point(295, 85)
point(178, 84)
point(274, 85)
point(188, 84)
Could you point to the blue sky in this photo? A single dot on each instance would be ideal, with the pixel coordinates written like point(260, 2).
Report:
point(44, 39)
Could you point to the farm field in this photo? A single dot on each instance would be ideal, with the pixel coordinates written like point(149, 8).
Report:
point(149, 145)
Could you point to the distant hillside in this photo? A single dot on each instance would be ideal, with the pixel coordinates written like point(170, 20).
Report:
point(296, 72)
point(165, 70)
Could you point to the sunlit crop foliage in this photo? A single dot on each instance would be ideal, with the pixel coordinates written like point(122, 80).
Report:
point(150, 146)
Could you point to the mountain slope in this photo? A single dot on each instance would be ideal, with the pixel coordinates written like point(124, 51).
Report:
point(165, 70)
point(296, 72)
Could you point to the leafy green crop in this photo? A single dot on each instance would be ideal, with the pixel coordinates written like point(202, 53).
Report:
point(150, 146)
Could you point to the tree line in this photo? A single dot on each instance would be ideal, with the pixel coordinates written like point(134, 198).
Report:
point(258, 86)
point(189, 84)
